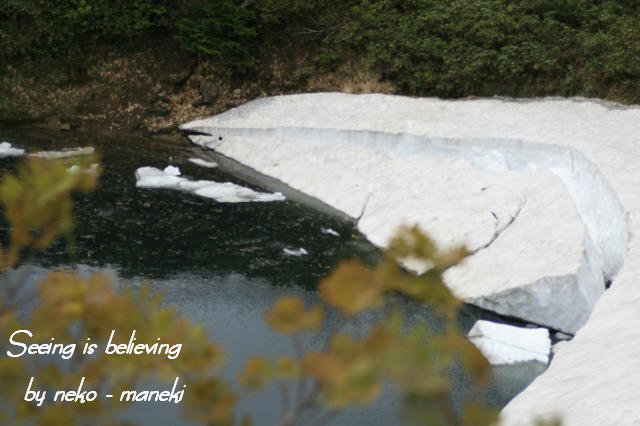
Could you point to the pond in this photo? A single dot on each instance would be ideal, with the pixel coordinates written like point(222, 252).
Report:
point(220, 264)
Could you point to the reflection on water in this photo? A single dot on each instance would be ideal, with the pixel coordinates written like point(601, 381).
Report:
point(221, 264)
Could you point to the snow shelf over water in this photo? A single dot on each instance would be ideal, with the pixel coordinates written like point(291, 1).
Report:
point(456, 204)
point(590, 146)
point(505, 344)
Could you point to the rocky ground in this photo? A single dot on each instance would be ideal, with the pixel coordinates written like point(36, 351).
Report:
point(151, 91)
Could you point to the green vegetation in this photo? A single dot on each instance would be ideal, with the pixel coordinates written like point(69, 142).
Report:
point(519, 48)
point(66, 28)
point(447, 48)
point(221, 30)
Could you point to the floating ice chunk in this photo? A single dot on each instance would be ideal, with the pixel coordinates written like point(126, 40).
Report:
point(506, 344)
point(150, 177)
point(193, 185)
point(6, 150)
point(76, 169)
point(223, 192)
point(66, 153)
point(172, 171)
point(297, 252)
point(330, 232)
point(228, 192)
point(203, 163)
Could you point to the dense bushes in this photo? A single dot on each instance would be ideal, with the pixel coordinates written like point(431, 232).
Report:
point(70, 27)
point(73, 28)
point(219, 29)
point(486, 47)
point(447, 48)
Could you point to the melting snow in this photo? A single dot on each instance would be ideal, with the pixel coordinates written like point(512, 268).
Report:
point(6, 150)
point(223, 192)
point(203, 163)
point(295, 252)
point(506, 344)
point(330, 232)
point(591, 146)
point(66, 153)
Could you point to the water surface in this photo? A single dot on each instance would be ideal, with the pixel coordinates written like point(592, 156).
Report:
point(221, 264)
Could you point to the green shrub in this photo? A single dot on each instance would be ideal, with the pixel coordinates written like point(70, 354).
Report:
point(487, 47)
point(448, 48)
point(219, 29)
point(66, 27)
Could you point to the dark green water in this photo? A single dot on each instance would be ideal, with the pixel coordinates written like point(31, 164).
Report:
point(221, 264)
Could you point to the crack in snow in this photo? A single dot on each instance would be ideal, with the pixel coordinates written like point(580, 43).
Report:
point(500, 229)
point(372, 189)
point(598, 205)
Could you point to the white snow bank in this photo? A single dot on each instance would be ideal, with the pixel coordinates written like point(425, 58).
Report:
point(295, 252)
point(225, 192)
point(71, 152)
point(505, 344)
point(447, 128)
point(457, 204)
point(203, 163)
point(6, 150)
point(592, 146)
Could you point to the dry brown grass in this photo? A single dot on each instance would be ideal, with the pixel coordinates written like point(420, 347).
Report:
point(125, 93)
point(350, 78)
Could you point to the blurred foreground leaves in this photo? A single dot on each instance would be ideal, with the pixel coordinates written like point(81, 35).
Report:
point(357, 362)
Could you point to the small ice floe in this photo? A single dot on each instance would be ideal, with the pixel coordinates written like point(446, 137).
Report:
point(505, 344)
point(227, 192)
point(77, 169)
point(203, 163)
point(172, 171)
point(295, 252)
point(330, 232)
point(150, 177)
point(72, 152)
point(6, 150)
point(223, 192)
